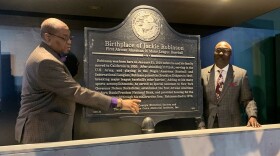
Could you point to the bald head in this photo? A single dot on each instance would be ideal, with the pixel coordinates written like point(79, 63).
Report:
point(56, 34)
point(52, 25)
point(223, 44)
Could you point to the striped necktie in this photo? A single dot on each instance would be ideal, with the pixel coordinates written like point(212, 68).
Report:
point(220, 84)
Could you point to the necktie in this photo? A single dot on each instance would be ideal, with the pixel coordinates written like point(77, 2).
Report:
point(220, 84)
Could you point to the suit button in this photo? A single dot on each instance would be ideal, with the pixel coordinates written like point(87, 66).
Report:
point(218, 105)
point(213, 117)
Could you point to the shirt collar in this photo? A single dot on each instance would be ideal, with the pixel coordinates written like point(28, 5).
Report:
point(225, 69)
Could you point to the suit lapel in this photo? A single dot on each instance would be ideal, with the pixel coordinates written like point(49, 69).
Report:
point(229, 79)
point(211, 83)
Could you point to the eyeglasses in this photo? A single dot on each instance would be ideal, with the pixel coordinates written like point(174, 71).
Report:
point(223, 50)
point(63, 38)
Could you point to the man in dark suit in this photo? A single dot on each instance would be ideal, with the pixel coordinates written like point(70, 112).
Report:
point(49, 92)
point(225, 88)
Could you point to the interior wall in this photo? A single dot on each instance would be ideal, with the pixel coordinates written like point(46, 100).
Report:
point(0, 78)
point(277, 58)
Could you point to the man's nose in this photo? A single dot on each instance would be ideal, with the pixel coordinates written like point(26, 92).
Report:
point(221, 53)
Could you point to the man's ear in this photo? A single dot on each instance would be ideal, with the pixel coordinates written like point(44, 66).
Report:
point(47, 37)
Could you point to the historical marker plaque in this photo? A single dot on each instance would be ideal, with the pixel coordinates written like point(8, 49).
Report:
point(145, 58)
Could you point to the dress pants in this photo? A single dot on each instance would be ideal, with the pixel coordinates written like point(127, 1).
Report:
point(216, 122)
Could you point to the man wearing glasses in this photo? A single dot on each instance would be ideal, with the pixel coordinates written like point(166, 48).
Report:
point(226, 88)
point(49, 92)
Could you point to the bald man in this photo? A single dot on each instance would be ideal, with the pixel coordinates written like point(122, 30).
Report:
point(49, 92)
point(226, 88)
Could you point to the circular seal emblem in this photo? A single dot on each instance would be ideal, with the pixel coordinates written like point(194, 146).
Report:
point(146, 25)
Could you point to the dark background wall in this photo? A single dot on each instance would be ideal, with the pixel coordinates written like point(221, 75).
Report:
point(253, 49)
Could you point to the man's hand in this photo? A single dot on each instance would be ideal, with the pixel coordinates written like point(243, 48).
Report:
point(253, 123)
point(130, 104)
point(200, 128)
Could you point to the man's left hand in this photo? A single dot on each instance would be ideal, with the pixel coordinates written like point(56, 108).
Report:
point(253, 123)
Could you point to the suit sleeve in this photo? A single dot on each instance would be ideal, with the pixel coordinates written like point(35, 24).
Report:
point(54, 78)
point(246, 97)
point(201, 120)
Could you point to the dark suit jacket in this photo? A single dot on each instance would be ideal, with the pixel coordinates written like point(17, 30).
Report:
point(236, 91)
point(48, 98)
